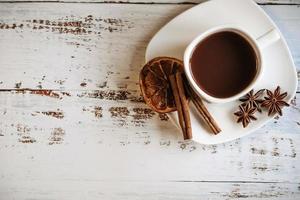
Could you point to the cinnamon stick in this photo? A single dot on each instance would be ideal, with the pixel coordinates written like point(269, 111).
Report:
point(210, 121)
point(185, 105)
point(175, 91)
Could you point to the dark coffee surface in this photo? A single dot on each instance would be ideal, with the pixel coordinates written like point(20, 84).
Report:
point(223, 64)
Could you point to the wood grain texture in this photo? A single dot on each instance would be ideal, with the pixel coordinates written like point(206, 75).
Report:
point(73, 124)
point(70, 138)
point(92, 46)
point(133, 190)
point(270, 2)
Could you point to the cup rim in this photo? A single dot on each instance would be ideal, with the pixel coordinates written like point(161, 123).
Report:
point(190, 48)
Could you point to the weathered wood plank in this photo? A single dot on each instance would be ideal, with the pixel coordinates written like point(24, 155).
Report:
point(92, 46)
point(280, 2)
point(97, 189)
point(94, 138)
point(109, 136)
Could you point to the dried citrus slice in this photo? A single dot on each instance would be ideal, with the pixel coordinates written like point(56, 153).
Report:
point(155, 85)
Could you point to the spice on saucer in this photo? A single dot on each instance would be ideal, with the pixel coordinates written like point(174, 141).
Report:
point(274, 101)
point(209, 120)
point(181, 104)
point(245, 114)
point(251, 103)
point(155, 86)
point(253, 99)
point(165, 90)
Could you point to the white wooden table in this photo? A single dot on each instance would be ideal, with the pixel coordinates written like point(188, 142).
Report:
point(73, 126)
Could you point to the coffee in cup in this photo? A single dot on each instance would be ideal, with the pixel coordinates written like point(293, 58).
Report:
point(223, 64)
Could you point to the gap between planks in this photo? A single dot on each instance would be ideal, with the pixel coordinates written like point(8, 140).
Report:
point(259, 2)
point(121, 2)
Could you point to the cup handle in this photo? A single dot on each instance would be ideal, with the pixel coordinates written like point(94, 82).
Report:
point(268, 38)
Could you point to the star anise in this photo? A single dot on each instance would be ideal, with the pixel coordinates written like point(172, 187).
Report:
point(274, 101)
point(253, 99)
point(245, 114)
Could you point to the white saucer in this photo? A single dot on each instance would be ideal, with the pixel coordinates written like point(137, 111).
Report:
point(279, 69)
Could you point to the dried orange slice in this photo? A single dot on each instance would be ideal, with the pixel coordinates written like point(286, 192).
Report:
point(154, 83)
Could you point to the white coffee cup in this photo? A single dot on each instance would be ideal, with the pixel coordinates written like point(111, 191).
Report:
point(257, 44)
